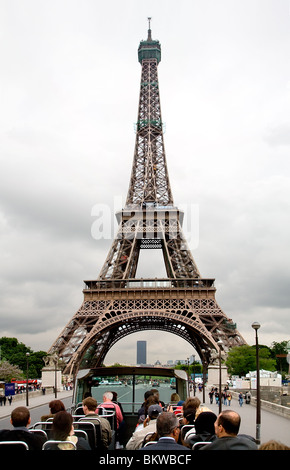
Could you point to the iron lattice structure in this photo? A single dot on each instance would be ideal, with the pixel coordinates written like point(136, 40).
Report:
point(117, 304)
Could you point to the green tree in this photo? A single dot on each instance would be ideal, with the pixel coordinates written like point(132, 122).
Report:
point(278, 350)
point(15, 352)
point(242, 359)
point(195, 367)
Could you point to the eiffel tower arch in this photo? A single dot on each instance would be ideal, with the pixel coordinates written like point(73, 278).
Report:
point(117, 303)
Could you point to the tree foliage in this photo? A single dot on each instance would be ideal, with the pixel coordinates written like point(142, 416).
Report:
point(9, 372)
point(14, 352)
point(242, 359)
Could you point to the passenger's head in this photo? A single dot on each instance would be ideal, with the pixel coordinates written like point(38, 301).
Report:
point(115, 396)
point(20, 416)
point(167, 425)
point(155, 392)
point(189, 415)
point(108, 396)
point(273, 445)
point(147, 394)
point(90, 404)
point(191, 402)
point(154, 411)
point(227, 423)
point(175, 398)
point(151, 400)
point(62, 425)
point(56, 406)
point(204, 423)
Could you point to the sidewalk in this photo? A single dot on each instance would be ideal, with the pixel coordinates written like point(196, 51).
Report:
point(34, 399)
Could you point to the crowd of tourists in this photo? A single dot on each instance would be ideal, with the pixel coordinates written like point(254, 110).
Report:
point(185, 426)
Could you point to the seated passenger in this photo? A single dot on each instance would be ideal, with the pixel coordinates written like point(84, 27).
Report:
point(204, 429)
point(167, 427)
point(63, 430)
point(138, 436)
point(151, 400)
point(176, 403)
point(20, 419)
point(89, 407)
point(55, 406)
point(156, 393)
point(194, 402)
point(108, 404)
point(226, 428)
point(141, 411)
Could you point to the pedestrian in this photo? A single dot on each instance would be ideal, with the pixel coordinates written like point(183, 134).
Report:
point(241, 400)
point(217, 397)
point(10, 399)
point(229, 397)
point(225, 397)
point(248, 398)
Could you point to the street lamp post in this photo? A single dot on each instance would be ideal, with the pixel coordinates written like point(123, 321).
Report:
point(256, 326)
point(188, 373)
point(55, 375)
point(203, 376)
point(193, 364)
point(27, 367)
point(220, 374)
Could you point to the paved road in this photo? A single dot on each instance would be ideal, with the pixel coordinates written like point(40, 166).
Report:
point(38, 406)
point(272, 426)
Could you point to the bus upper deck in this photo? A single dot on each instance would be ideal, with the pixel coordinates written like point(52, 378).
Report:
point(130, 384)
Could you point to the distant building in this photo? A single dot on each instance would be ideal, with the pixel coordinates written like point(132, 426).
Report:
point(141, 352)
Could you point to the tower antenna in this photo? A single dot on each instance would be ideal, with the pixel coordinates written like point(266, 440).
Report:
point(149, 30)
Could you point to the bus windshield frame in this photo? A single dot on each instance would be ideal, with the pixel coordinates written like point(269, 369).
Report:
point(130, 383)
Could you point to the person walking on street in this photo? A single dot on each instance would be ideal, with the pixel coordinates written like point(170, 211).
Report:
point(241, 400)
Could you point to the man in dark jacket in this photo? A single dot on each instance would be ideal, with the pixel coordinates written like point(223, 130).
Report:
point(20, 419)
point(167, 427)
point(227, 427)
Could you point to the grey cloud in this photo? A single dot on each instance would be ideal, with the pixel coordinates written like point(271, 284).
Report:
point(67, 143)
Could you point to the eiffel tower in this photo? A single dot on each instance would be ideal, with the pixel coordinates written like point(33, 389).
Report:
point(117, 303)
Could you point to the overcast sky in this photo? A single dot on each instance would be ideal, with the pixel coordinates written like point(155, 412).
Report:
point(69, 89)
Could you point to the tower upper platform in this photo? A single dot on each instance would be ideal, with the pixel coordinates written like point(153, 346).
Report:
point(149, 49)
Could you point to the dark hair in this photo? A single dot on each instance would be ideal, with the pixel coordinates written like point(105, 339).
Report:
point(204, 423)
point(147, 394)
point(151, 400)
point(20, 416)
point(56, 406)
point(230, 421)
point(189, 414)
point(62, 424)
